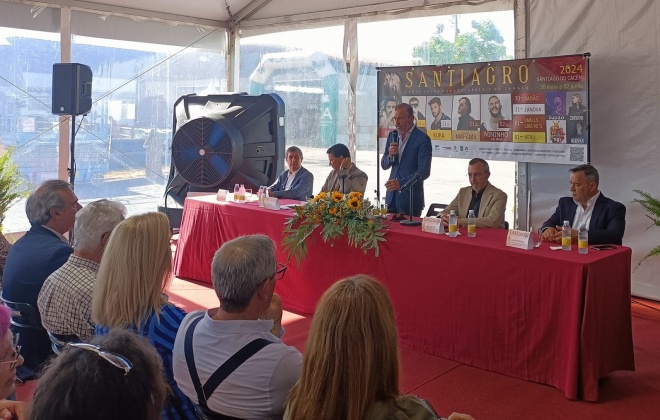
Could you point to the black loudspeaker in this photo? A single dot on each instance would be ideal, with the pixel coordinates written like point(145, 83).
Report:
point(72, 89)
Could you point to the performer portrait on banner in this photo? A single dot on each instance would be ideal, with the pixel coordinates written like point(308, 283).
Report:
point(495, 111)
point(408, 153)
point(438, 116)
point(465, 120)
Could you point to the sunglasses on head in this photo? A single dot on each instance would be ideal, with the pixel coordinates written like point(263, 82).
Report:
point(116, 360)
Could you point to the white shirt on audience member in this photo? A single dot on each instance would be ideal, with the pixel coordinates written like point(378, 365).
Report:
point(259, 387)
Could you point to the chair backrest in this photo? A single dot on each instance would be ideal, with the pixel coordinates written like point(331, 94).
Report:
point(506, 225)
point(434, 209)
point(23, 315)
point(59, 341)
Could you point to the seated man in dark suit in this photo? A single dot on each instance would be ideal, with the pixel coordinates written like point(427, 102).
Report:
point(296, 183)
point(605, 218)
point(51, 210)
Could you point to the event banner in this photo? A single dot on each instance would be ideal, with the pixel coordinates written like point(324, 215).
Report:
point(530, 110)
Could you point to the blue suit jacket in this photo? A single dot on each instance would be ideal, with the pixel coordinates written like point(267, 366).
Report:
point(608, 221)
point(416, 159)
point(301, 187)
point(30, 261)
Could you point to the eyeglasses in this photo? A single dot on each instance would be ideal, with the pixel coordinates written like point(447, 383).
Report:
point(116, 360)
point(414, 105)
point(281, 269)
point(474, 175)
point(17, 353)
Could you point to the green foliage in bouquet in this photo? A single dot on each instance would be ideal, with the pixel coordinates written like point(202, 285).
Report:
point(336, 214)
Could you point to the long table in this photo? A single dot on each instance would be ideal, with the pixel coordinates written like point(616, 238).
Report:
point(555, 317)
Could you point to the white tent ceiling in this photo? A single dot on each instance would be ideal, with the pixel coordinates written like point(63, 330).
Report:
point(258, 13)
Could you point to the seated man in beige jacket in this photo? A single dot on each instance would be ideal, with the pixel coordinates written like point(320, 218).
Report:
point(345, 177)
point(488, 202)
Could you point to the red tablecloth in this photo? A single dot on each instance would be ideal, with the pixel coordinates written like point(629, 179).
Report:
point(554, 317)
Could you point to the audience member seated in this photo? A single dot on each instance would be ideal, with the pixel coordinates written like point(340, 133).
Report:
point(117, 376)
point(51, 210)
point(345, 177)
point(605, 218)
point(10, 358)
point(135, 270)
point(244, 272)
point(351, 363)
point(488, 202)
point(296, 183)
point(65, 300)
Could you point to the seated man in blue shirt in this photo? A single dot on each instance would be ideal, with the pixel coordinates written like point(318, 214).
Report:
point(605, 218)
point(296, 183)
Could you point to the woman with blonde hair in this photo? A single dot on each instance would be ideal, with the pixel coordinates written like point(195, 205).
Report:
point(135, 270)
point(350, 366)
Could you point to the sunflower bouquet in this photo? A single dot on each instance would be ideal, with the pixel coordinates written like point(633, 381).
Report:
point(336, 214)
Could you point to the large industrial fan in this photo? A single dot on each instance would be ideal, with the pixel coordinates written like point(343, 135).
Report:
point(222, 140)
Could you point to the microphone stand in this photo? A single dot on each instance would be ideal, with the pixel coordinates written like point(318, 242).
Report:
point(411, 222)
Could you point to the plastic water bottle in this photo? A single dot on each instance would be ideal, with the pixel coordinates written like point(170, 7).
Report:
point(471, 224)
point(566, 236)
point(262, 195)
point(376, 210)
point(583, 240)
point(241, 196)
point(237, 193)
point(453, 224)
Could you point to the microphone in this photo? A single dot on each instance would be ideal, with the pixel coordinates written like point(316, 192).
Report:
point(395, 139)
point(410, 182)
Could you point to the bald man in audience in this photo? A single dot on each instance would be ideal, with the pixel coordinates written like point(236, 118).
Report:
point(65, 300)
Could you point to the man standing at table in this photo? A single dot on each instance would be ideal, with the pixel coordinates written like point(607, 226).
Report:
point(605, 218)
point(488, 202)
point(296, 183)
point(345, 177)
point(408, 152)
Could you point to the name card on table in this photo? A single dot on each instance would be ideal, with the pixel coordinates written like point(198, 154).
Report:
point(271, 203)
point(519, 239)
point(222, 195)
point(433, 225)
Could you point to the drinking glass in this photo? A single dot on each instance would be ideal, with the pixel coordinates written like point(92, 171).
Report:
point(536, 236)
point(383, 208)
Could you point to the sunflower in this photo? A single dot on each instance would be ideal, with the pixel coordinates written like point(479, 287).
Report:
point(319, 196)
point(354, 204)
point(337, 196)
point(355, 194)
point(333, 210)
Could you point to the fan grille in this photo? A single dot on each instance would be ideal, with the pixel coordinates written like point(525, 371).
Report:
point(203, 151)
